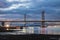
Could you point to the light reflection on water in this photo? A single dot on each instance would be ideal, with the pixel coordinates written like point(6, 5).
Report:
point(37, 30)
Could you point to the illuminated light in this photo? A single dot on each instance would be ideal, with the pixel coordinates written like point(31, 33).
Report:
point(24, 30)
point(7, 25)
point(7, 29)
point(55, 26)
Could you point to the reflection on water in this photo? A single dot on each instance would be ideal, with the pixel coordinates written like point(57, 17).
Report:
point(34, 30)
point(53, 30)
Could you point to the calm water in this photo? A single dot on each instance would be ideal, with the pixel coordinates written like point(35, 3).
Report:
point(37, 30)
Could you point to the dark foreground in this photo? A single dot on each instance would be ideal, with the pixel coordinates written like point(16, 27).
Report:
point(30, 37)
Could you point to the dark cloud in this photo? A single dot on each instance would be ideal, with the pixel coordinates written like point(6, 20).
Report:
point(51, 7)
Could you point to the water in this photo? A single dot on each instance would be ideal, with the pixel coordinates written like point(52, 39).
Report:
point(37, 30)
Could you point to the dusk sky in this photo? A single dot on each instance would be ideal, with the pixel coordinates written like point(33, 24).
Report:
point(15, 9)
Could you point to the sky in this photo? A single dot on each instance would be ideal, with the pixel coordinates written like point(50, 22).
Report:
point(15, 9)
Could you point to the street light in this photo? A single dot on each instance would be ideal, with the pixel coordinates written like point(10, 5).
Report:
point(7, 27)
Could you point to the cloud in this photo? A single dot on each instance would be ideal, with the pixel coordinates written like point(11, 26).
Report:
point(16, 6)
point(17, 0)
point(29, 4)
point(11, 16)
point(52, 7)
